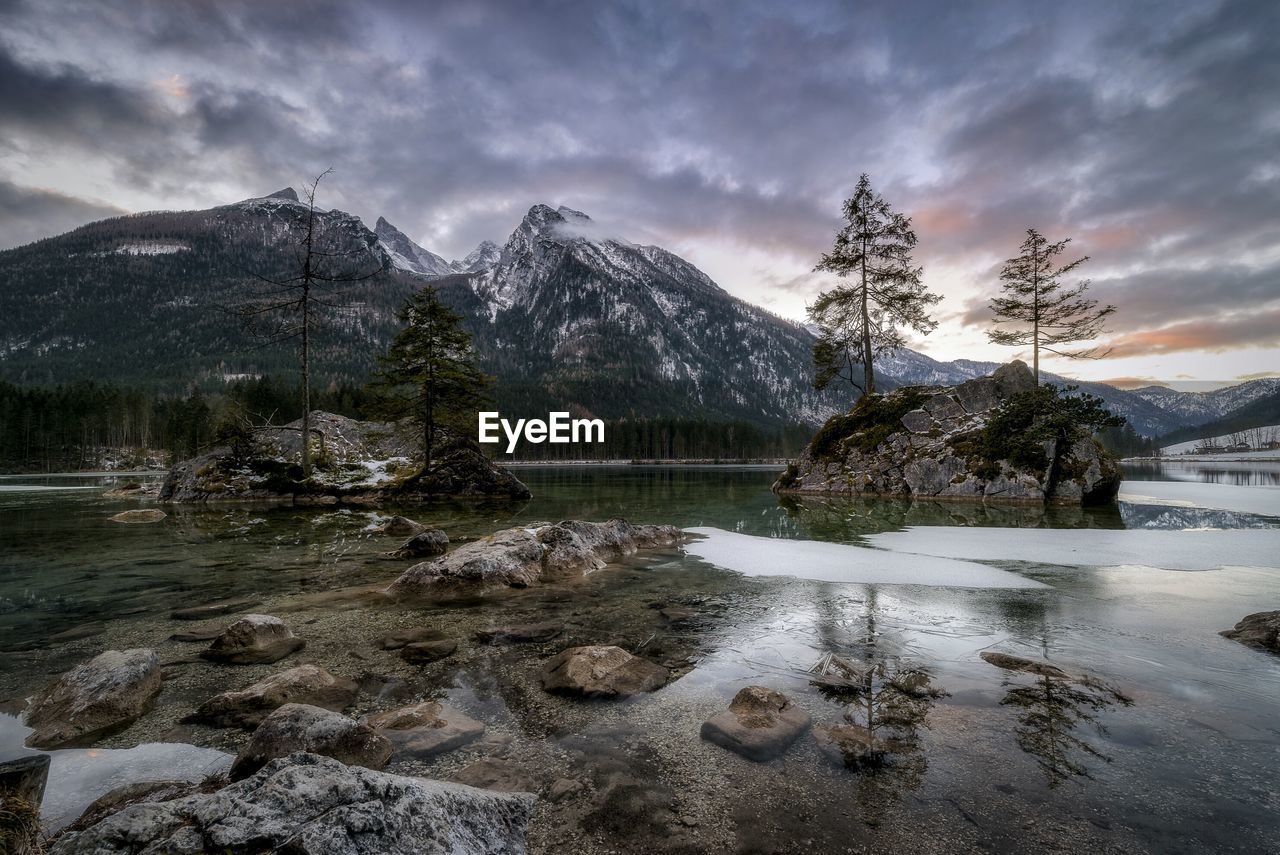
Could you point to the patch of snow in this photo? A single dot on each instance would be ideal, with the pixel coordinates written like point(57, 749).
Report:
point(1166, 550)
point(839, 562)
point(151, 248)
point(1196, 494)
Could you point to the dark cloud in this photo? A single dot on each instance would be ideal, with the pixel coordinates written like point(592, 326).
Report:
point(1147, 131)
point(29, 213)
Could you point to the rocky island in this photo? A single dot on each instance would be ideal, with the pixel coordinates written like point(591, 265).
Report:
point(991, 438)
point(355, 461)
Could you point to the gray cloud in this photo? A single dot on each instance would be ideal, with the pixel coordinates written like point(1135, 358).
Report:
point(29, 213)
point(1147, 131)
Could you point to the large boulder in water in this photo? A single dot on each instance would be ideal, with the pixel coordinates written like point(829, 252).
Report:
point(760, 724)
point(254, 640)
point(302, 727)
point(462, 470)
point(933, 442)
point(424, 729)
point(519, 557)
point(601, 671)
point(310, 805)
point(94, 699)
point(1260, 630)
point(305, 684)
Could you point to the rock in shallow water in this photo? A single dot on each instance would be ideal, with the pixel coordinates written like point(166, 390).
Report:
point(305, 684)
point(301, 727)
point(760, 724)
point(1260, 630)
point(601, 672)
point(431, 541)
point(254, 640)
point(96, 698)
point(143, 515)
point(424, 729)
point(310, 805)
point(421, 652)
point(519, 557)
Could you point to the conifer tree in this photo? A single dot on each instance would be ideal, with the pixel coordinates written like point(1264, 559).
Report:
point(881, 292)
point(1042, 312)
point(428, 374)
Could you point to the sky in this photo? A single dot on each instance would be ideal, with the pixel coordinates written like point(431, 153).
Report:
point(729, 133)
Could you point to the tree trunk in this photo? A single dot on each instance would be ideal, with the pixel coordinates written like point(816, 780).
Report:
point(1035, 317)
point(868, 371)
point(306, 389)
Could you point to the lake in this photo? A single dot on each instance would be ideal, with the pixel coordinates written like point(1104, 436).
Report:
point(1166, 739)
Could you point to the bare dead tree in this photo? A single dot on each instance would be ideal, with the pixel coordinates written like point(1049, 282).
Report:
point(285, 312)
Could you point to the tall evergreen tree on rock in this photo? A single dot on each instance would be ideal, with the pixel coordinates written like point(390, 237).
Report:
point(879, 296)
point(1042, 312)
point(428, 374)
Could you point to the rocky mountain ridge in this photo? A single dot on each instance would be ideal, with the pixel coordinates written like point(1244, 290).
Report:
point(566, 316)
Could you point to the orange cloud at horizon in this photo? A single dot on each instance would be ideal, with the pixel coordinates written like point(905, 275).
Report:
point(1232, 332)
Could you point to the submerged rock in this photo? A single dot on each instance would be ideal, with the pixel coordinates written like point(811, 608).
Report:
point(424, 729)
point(495, 773)
point(400, 637)
point(144, 515)
point(222, 607)
point(302, 727)
point(246, 708)
point(431, 541)
point(853, 746)
point(428, 651)
point(401, 527)
point(311, 805)
point(94, 699)
point(760, 724)
point(1017, 663)
point(1260, 630)
point(519, 557)
point(601, 672)
point(522, 634)
point(931, 442)
point(254, 640)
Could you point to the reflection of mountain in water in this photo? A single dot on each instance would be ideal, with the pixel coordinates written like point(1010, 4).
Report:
point(843, 520)
point(1165, 517)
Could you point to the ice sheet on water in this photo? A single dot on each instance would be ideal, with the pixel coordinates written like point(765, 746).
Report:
point(840, 562)
point(1167, 550)
point(1194, 494)
point(78, 776)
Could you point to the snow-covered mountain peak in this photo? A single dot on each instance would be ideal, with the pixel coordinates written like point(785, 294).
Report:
point(407, 255)
point(484, 256)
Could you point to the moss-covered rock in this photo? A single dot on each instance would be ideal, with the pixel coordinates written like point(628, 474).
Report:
point(996, 437)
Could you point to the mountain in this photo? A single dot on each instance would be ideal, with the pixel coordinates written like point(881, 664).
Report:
point(149, 299)
point(408, 256)
point(568, 317)
point(1261, 411)
point(1201, 407)
point(563, 314)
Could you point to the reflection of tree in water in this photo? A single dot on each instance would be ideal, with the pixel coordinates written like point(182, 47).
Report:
point(886, 703)
point(1053, 709)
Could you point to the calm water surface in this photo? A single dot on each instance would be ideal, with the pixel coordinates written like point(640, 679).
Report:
point(1172, 744)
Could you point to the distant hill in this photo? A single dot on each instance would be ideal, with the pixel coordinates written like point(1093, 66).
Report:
point(1260, 412)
